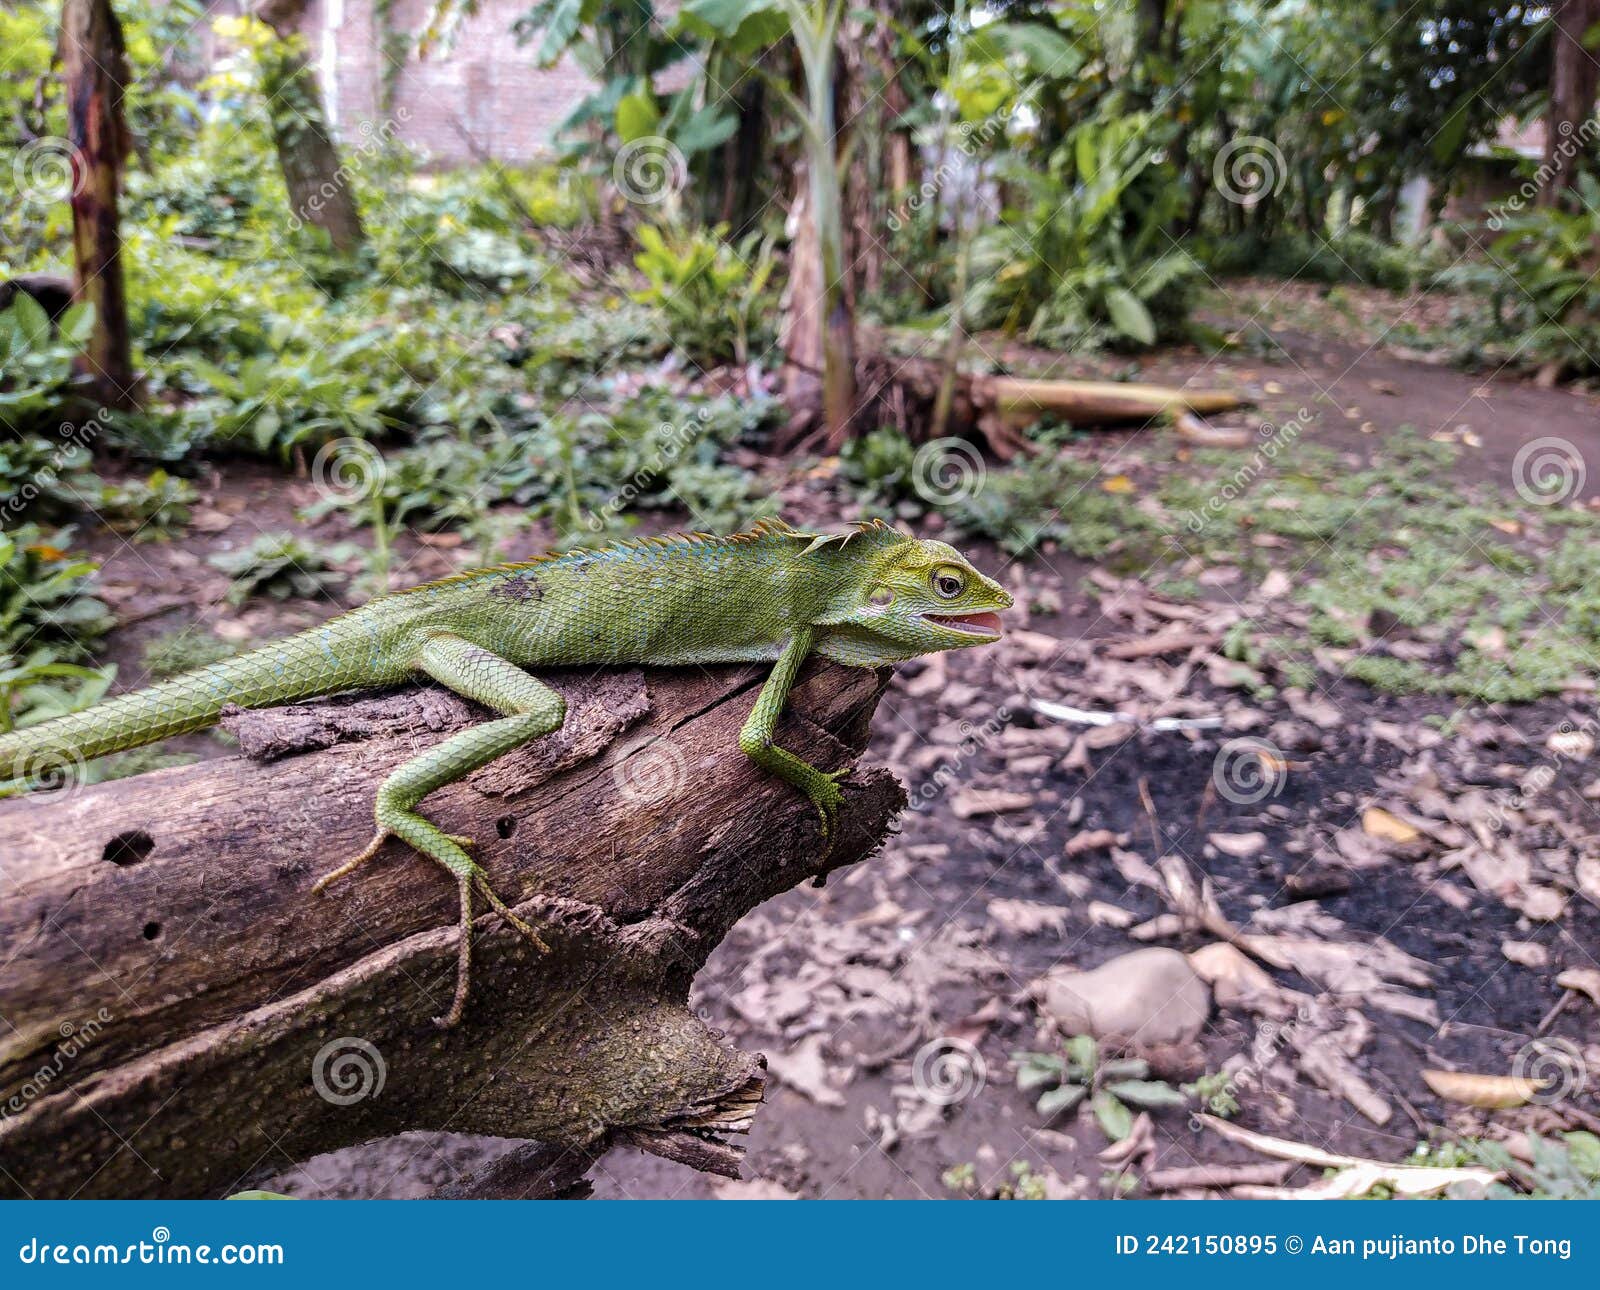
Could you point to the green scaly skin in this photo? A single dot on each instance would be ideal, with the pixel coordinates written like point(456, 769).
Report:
point(864, 598)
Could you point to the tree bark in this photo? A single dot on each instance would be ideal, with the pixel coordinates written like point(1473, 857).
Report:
point(1574, 80)
point(320, 192)
point(185, 1015)
point(94, 66)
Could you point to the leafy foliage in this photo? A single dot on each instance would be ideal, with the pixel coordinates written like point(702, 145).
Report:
point(48, 617)
point(1110, 1086)
point(1539, 284)
point(281, 565)
point(711, 294)
point(36, 361)
point(1086, 259)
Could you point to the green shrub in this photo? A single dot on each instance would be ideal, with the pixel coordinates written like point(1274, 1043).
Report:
point(1538, 287)
point(1085, 260)
point(710, 291)
point(36, 361)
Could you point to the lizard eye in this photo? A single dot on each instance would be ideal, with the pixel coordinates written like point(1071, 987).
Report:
point(948, 584)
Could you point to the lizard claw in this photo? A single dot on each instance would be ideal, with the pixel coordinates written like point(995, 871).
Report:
point(350, 866)
point(827, 798)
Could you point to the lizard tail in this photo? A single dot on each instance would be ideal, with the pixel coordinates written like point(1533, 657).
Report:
point(52, 753)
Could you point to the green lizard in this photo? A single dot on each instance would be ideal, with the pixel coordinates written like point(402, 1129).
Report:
point(864, 598)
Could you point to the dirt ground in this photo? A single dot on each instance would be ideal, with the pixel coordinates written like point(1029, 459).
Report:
point(1377, 946)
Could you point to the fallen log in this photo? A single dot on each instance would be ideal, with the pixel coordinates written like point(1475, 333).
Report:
point(185, 1017)
point(1097, 402)
point(902, 390)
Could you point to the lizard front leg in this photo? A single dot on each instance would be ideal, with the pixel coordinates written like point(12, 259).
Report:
point(532, 709)
point(755, 739)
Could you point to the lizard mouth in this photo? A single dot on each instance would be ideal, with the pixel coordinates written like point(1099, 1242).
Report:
point(968, 624)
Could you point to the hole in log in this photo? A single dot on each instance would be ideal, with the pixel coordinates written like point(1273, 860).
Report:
point(505, 826)
point(151, 931)
point(130, 848)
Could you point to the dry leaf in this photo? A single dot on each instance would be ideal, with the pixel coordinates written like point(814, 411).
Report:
point(971, 802)
point(1238, 845)
point(1529, 954)
point(1029, 917)
point(1379, 823)
point(803, 1070)
point(1117, 484)
point(1583, 980)
point(1488, 1092)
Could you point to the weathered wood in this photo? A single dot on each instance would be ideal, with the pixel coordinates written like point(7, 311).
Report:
point(1097, 402)
point(184, 1014)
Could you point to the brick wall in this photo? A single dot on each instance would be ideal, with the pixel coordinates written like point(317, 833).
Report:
point(485, 86)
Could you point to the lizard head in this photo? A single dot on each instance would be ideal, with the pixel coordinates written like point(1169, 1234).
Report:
point(911, 596)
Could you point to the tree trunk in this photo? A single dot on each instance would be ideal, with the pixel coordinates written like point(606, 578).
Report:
point(320, 192)
point(1574, 78)
point(183, 1012)
point(95, 68)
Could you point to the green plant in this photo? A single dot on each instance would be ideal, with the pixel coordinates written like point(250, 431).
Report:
point(183, 650)
point(1086, 260)
point(281, 565)
point(1078, 1074)
point(1538, 285)
point(36, 360)
point(879, 464)
point(710, 291)
point(148, 508)
point(48, 615)
point(273, 402)
point(1215, 1091)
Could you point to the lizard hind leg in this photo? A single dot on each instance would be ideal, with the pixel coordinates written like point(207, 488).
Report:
point(532, 709)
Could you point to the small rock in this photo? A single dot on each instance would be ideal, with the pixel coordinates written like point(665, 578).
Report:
point(1148, 996)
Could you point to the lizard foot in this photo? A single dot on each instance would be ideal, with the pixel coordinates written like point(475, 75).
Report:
point(351, 865)
point(467, 881)
point(826, 797)
point(450, 852)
